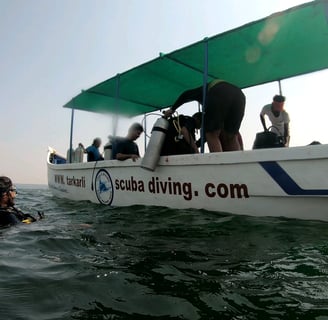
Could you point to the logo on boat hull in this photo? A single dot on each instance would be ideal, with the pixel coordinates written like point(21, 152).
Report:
point(104, 187)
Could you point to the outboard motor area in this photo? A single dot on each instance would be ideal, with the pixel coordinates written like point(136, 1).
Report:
point(153, 151)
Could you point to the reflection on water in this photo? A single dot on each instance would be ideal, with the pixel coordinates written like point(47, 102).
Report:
point(86, 261)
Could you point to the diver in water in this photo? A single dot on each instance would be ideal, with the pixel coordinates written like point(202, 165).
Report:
point(9, 215)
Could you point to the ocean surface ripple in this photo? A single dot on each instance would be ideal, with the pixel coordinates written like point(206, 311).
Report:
point(87, 261)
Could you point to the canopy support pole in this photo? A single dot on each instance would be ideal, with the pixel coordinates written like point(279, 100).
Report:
point(145, 131)
point(280, 91)
point(205, 79)
point(71, 137)
point(117, 101)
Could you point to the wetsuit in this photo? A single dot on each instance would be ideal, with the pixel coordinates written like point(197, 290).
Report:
point(174, 142)
point(10, 216)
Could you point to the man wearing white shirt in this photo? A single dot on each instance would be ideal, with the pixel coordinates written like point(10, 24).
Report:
point(279, 118)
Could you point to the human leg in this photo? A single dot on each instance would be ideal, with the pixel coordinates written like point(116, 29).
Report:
point(213, 141)
point(215, 112)
point(230, 141)
point(230, 138)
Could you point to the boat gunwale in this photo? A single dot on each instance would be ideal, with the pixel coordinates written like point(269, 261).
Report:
point(310, 152)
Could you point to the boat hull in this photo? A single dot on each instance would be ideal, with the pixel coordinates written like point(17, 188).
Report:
point(288, 182)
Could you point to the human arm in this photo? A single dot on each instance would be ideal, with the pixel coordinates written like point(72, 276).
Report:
point(123, 156)
point(26, 217)
point(286, 128)
point(127, 149)
point(187, 96)
point(263, 122)
point(286, 134)
point(189, 139)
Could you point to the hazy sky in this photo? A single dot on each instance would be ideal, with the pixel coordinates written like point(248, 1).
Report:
point(52, 49)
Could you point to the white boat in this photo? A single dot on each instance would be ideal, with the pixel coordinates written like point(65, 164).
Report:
point(290, 182)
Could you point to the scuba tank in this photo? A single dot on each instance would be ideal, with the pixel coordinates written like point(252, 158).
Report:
point(155, 144)
point(108, 149)
point(70, 156)
point(79, 153)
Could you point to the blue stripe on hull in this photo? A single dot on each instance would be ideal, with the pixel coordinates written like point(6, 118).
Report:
point(282, 178)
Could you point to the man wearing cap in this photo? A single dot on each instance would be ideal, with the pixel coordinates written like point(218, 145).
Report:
point(9, 215)
point(279, 118)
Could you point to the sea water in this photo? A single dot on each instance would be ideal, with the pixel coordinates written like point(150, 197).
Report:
point(88, 261)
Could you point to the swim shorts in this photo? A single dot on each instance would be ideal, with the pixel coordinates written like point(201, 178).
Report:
point(225, 107)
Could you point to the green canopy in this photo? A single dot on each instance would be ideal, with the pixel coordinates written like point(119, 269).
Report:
point(283, 45)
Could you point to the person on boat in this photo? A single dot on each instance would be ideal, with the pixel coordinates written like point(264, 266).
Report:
point(180, 137)
point(224, 111)
point(9, 214)
point(239, 138)
point(92, 151)
point(126, 148)
point(279, 118)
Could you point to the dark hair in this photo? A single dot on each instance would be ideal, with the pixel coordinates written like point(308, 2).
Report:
point(96, 140)
point(136, 126)
point(279, 98)
point(5, 184)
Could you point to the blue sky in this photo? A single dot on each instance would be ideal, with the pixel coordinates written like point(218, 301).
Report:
point(51, 50)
